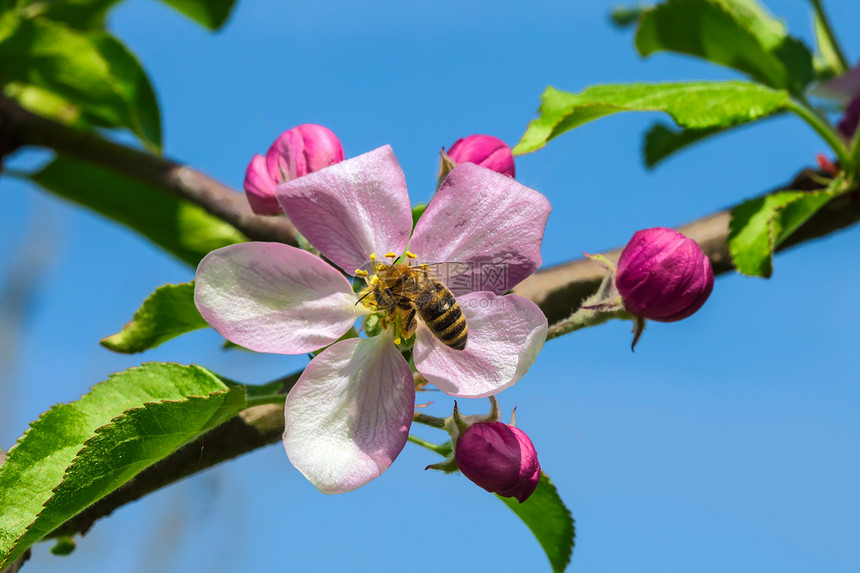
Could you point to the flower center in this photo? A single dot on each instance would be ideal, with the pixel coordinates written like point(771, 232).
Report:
point(389, 294)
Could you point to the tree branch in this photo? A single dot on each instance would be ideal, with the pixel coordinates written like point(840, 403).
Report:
point(558, 290)
point(19, 127)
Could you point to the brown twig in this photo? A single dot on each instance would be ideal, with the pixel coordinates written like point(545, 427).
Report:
point(560, 289)
point(19, 128)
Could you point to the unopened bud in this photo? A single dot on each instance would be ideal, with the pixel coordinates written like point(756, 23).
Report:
point(499, 458)
point(484, 150)
point(662, 275)
point(848, 125)
point(298, 151)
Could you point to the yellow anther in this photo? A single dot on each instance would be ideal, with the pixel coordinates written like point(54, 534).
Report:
point(411, 255)
point(391, 255)
point(360, 273)
point(374, 281)
point(397, 340)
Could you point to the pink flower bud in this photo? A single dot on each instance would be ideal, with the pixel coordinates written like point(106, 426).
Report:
point(298, 151)
point(260, 187)
point(664, 276)
point(484, 150)
point(499, 458)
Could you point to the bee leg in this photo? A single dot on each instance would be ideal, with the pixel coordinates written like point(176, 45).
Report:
point(398, 300)
point(410, 324)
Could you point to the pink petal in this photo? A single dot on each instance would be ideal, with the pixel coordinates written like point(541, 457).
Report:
point(284, 157)
point(487, 220)
point(505, 334)
point(301, 150)
point(271, 297)
point(486, 151)
point(260, 188)
point(348, 416)
point(352, 209)
point(322, 147)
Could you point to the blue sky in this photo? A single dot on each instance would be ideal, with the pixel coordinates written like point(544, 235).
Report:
point(727, 441)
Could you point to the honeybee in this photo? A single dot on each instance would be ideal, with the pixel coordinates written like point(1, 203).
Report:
point(410, 292)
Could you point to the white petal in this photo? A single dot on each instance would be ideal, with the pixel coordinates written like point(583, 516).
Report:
point(505, 334)
point(348, 416)
point(270, 297)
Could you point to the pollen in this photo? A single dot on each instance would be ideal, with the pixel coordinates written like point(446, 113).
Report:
point(411, 255)
point(397, 341)
point(391, 255)
point(360, 273)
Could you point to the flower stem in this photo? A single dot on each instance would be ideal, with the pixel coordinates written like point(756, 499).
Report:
point(829, 36)
point(822, 128)
point(583, 318)
point(428, 420)
point(441, 449)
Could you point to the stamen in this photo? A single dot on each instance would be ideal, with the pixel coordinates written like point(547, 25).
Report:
point(397, 341)
point(360, 273)
point(411, 255)
point(372, 257)
point(391, 255)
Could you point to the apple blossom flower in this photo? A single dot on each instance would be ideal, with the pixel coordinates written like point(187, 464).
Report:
point(662, 275)
point(348, 416)
point(484, 150)
point(298, 151)
point(499, 458)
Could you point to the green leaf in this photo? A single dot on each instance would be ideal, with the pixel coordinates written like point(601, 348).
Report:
point(760, 225)
point(626, 16)
point(663, 140)
point(77, 453)
point(694, 105)
point(141, 115)
point(739, 34)
point(59, 59)
point(46, 104)
point(550, 521)
point(165, 314)
point(79, 14)
point(94, 72)
point(210, 13)
point(178, 226)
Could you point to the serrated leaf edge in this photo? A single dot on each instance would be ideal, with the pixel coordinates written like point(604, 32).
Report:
point(97, 431)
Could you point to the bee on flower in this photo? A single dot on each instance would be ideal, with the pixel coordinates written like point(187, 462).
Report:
point(348, 416)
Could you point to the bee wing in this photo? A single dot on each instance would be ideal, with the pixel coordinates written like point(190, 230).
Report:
point(446, 273)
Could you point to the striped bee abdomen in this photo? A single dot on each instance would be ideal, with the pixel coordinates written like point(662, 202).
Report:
point(442, 315)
